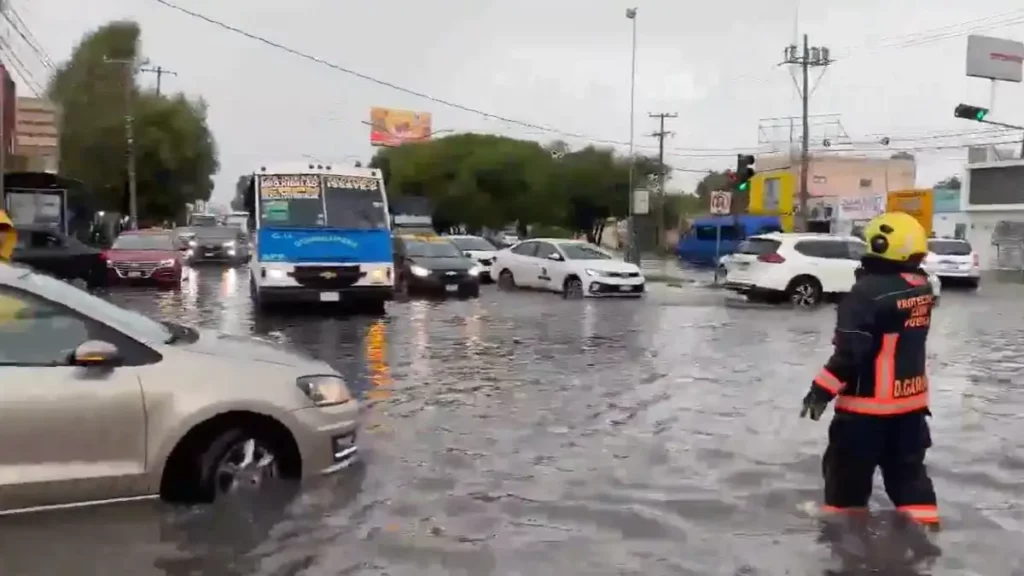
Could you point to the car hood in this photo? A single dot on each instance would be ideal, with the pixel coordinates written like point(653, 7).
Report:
point(479, 254)
point(453, 263)
point(212, 241)
point(247, 348)
point(608, 265)
point(141, 255)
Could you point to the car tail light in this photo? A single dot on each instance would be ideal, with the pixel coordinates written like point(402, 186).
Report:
point(771, 258)
point(975, 260)
point(104, 256)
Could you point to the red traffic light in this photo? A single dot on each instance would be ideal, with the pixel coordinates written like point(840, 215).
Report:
point(731, 176)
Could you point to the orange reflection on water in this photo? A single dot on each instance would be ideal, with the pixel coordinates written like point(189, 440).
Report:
point(377, 361)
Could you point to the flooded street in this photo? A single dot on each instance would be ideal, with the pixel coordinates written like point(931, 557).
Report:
point(520, 434)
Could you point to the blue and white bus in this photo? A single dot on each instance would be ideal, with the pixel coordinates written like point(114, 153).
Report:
point(321, 234)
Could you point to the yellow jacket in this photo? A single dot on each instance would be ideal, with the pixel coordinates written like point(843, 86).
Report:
point(8, 237)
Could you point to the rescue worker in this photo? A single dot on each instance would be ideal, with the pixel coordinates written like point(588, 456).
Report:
point(8, 237)
point(877, 376)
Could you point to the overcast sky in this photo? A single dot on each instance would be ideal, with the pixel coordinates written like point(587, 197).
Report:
point(564, 64)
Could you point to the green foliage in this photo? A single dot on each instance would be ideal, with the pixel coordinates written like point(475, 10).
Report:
point(952, 183)
point(176, 155)
point(241, 202)
point(484, 180)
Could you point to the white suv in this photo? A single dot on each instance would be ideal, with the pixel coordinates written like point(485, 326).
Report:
point(803, 268)
point(952, 259)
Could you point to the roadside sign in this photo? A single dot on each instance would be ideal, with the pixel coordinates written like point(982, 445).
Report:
point(641, 201)
point(721, 202)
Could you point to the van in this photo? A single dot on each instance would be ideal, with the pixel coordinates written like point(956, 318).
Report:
point(697, 246)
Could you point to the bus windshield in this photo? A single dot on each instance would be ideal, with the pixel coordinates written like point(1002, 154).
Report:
point(312, 201)
point(291, 201)
point(355, 202)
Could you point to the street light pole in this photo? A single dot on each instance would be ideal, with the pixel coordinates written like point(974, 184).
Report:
point(130, 66)
point(632, 254)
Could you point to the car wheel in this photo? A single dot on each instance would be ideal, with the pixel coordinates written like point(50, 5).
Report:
point(572, 288)
point(401, 288)
point(804, 292)
point(973, 283)
point(376, 307)
point(254, 295)
point(506, 281)
point(236, 462)
point(469, 292)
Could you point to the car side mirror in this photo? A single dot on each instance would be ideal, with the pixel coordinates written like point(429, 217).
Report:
point(96, 353)
point(556, 257)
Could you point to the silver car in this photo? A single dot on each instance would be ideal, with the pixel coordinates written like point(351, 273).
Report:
point(100, 404)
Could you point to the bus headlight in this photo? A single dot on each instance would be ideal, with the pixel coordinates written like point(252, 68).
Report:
point(276, 274)
point(378, 275)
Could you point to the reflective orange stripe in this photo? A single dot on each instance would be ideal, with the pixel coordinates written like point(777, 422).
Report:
point(884, 402)
point(828, 381)
point(885, 367)
point(923, 513)
point(826, 509)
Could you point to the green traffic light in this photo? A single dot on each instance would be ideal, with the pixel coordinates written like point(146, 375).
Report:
point(980, 114)
point(744, 186)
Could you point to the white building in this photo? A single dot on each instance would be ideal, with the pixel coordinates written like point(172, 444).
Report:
point(993, 202)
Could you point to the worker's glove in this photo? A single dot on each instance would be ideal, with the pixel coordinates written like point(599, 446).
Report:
point(814, 404)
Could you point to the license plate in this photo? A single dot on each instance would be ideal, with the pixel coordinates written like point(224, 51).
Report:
point(330, 297)
point(209, 254)
point(625, 288)
point(452, 287)
point(134, 274)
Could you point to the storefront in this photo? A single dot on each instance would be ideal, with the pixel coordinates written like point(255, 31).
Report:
point(856, 211)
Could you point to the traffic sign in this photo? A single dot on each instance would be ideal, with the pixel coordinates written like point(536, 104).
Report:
point(641, 201)
point(721, 201)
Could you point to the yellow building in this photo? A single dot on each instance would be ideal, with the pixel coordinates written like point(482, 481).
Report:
point(831, 178)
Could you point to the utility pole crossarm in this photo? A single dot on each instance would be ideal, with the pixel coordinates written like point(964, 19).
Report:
point(160, 71)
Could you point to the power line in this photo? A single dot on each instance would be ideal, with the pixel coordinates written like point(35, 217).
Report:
point(937, 34)
point(22, 70)
point(19, 26)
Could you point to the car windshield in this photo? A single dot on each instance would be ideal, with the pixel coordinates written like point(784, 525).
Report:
point(949, 247)
point(473, 243)
point(291, 201)
point(204, 220)
point(580, 251)
point(217, 233)
point(162, 242)
point(74, 297)
point(431, 249)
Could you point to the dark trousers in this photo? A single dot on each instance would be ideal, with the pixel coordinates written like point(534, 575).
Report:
point(897, 444)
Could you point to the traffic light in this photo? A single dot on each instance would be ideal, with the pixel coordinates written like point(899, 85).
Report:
point(970, 112)
point(744, 171)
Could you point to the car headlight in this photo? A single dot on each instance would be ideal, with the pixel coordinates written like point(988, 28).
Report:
point(193, 243)
point(379, 275)
point(324, 389)
point(593, 272)
point(167, 263)
point(474, 271)
point(419, 271)
point(229, 244)
point(276, 274)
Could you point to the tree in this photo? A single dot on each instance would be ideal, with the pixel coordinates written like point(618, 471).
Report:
point(240, 201)
point(952, 182)
point(176, 155)
point(479, 180)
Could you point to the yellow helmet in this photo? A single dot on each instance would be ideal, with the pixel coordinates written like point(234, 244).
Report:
point(8, 237)
point(896, 236)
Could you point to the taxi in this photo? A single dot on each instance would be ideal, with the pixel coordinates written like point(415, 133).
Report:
point(431, 264)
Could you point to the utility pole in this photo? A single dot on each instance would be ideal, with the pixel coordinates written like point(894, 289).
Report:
point(159, 71)
point(806, 57)
point(130, 66)
point(661, 134)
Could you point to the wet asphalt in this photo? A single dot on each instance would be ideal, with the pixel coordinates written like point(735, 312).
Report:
point(520, 434)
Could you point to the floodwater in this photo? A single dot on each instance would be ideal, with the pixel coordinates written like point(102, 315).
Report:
point(520, 434)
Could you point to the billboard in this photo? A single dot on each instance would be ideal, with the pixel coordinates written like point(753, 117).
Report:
point(919, 203)
point(390, 127)
point(994, 58)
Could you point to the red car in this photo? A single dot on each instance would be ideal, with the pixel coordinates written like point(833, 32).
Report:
point(145, 256)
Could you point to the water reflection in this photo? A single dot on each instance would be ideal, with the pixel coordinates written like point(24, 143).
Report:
point(377, 362)
point(420, 356)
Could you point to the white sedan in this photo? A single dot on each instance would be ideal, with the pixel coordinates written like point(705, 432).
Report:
point(479, 250)
point(573, 268)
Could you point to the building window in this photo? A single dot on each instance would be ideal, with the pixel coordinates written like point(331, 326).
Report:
point(960, 232)
point(865, 182)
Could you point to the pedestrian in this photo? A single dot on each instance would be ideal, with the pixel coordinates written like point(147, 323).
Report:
point(877, 376)
point(8, 237)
